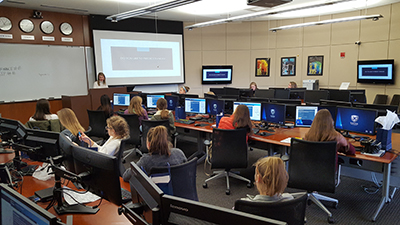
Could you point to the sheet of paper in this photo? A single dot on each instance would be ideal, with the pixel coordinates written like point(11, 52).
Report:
point(81, 198)
point(286, 140)
point(381, 152)
point(344, 86)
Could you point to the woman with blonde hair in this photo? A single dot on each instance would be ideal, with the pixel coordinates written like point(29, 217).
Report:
point(72, 126)
point(135, 107)
point(271, 180)
point(160, 152)
point(322, 129)
point(117, 128)
point(101, 81)
point(164, 114)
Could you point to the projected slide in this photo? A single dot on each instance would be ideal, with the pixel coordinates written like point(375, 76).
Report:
point(132, 58)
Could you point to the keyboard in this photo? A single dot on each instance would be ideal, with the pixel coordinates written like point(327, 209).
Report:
point(126, 195)
point(185, 121)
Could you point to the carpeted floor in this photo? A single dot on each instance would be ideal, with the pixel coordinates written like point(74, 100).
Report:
point(355, 205)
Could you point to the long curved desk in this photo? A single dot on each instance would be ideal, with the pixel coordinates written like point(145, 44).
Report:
point(359, 161)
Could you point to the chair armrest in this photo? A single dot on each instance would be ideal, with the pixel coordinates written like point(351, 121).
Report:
point(207, 142)
point(285, 158)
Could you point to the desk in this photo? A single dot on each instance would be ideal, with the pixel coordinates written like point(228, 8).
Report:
point(107, 214)
point(359, 161)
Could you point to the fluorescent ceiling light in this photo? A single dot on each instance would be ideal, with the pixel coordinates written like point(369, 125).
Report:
point(262, 13)
point(149, 9)
point(340, 20)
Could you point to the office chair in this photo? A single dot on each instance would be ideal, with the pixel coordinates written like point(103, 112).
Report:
point(134, 134)
point(229, 150)
point(292, 211)
point(147, 124)
point(380, 99)
point(312, 167)
point(49, 125)
point(395, 100)
point(119, 154)
point(97, 121)
point(183, 178)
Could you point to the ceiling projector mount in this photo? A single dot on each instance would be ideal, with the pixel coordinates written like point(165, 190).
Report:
point(267, 3)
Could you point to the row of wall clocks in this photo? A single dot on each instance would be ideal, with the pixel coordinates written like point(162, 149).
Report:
point(27, 26)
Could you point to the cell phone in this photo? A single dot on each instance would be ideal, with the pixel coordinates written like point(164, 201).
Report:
point(79, 133)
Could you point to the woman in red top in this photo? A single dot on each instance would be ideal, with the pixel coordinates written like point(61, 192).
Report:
point(239, 119)
point(322, 129)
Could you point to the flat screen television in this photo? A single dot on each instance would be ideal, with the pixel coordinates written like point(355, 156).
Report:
point(217, 74)
point(375, 71)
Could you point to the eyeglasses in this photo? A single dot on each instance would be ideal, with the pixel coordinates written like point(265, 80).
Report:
point(107, 127)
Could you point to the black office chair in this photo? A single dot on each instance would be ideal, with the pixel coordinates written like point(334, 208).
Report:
point(146, 125)
point(119, 154)
point(380, 99)
point(291, 211)
point(229, 150)
point(134, 133)
point(395, 100)
point(312, 167)
point(183, 178)
point(97, 121)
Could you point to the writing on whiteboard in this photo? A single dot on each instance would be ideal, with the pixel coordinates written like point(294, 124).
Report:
point(10, 70)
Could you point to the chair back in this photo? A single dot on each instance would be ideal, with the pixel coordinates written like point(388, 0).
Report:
point(183, 178)
point(380, 99)
point(39, 125)
point(146, 125)
point(120, 155)
point(134, 128)
point(395, 100)
point(312, 165)
point(97, 121)
point(229, 149)
point(291, 211)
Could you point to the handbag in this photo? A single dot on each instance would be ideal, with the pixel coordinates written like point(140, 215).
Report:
point(163, 181)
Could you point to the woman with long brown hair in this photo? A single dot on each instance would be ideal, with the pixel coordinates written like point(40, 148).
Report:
point(239, 119)
point(105, 105)
point(101, 81)
point(160, 152)
point(135, 107)
point(164, 114)
point(42, 111)
point(322, 129)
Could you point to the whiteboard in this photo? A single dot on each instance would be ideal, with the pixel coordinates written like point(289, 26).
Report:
point(29, 72)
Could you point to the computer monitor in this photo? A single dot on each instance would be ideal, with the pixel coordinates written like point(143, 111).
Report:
point(17, 209)
point(232, 91)
point(46, 143)
point(257, 99)
point(334, 103)
point(380, 107)
point(176, 210)
point(290, 106)
point(357, 120)
point(172, 101)
point(195, 105)
point(210, 96)
point(218, 91)
point(228, 109)
point(66, 151)
point(274, 113)
point(305, 115)
point(245, 93)
point(297, 93)
point(152, 100)
point(215, 106)
point(339, 95)
point(254, 109)
point(315, 95)
point(10, 128)
point(102, 173)
point(282, 93)
point(120, 99)
point(265, 93)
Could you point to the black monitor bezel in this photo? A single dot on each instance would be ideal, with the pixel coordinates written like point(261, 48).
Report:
point(376, 62)
point(216, 67)
point(175, 99)
point(14, 127)
point(347, 130)
point(264, 105)
point(48, 140)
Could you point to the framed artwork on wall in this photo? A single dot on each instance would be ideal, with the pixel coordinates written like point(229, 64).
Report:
point(315, 65)
point(288, 66)
point(262, 67)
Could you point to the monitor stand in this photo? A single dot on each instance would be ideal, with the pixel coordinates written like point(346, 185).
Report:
point(3, 151)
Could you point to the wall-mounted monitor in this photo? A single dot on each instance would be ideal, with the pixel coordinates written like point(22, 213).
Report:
point(217, 74)
point(152, 100)
point(375, 71)
point(120, 99)
point(254, 109)
point(195, 105)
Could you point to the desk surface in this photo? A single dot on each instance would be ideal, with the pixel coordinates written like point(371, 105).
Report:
point(283, 133)
point(108, 213)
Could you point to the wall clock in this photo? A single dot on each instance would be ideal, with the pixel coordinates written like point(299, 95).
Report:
point(47, 27)
point(26, 25)
point(66, 28)
point(5, 24)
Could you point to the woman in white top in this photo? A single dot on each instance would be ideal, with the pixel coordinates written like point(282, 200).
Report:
point(117, 128)
point(101, 81)
point(43, 111)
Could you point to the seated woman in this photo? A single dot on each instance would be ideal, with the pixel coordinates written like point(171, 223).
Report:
point(184, 89)
point(43, 111)
point(322, 129)
point(271, 180)
point(253, 86)
point(70, 122)
point(292, 84)
point(239, 119)
point(105, 105)
point(164, 114)
point(160, 152)
point(135, 107)
point(117, 128)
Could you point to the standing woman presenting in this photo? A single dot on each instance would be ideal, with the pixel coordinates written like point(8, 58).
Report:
point(101, 81)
